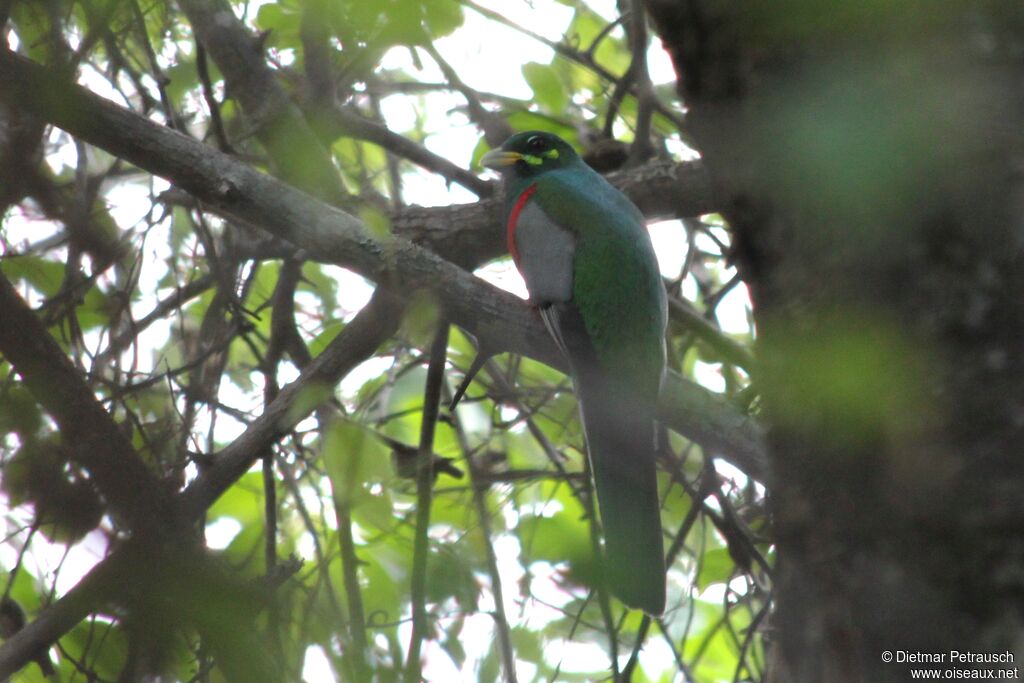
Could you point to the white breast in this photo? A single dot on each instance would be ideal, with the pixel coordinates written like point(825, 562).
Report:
point(545, 256)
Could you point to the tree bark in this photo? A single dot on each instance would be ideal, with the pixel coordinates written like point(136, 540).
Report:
point(867, 159)
point(323, 233)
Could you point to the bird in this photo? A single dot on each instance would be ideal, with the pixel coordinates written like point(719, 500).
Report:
point(584, 252)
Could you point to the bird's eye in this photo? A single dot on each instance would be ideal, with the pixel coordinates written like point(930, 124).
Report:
point(537, 144)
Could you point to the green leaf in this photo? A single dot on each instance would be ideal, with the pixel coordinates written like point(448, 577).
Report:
point(396, 22)
point(527, 644)
point(105, 661)
point(326, 336)
point(19, 411)
point(490, 667)
point(242, 502)
point(283, 22)
point(45, 276)
point(377, 222)
point(611, 52)
point(354, 458)
point(560, 538)
point(548, 91)
point(94, 311)
point(716, 566)
point(33, 26)
point(452, 643)
point(385, 568)
point(449, 575)
point(316, 281)
point(479, 151)
point(442, 17)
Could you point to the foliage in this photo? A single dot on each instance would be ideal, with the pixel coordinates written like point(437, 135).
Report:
point(174, 317)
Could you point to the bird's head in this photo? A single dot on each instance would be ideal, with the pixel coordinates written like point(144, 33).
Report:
point(528, 154)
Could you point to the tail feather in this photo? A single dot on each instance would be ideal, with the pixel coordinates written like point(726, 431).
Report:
point(620, 443)
point(620, 435)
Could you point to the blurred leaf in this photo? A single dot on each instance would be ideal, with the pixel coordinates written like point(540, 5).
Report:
point(95, 310)
point(66, 505)
point(548, 91)
point(559, 538)
point(448, 575)
point(716, 566)
point(397, 22)
point(321, 285)
point(386, 571)
point(45, 276)
point(282, 20)
point(241, 502)
point(310, 396)
point(490, 667)
point(527, 644)
point(450, 508)
point(326, 336)
point(452, 643)
point(863, 374)
point(101, 643)
point(377, 223)
point(19, 411)
point(479, 151)
point(354, 458)
point(611, 52)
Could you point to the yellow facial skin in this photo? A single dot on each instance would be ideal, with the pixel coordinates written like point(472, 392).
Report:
point(498, 158)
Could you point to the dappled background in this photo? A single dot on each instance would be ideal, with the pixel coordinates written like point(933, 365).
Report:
point(248, 257)
point(299, 548)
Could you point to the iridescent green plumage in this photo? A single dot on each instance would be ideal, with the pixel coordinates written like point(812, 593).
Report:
point(585, 253)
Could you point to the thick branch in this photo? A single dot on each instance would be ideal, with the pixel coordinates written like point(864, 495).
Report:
point(93, 438)
point(356, 342)
point(93, 590)
point(279, 124)
point(472, 234)
point(360, 338)
point(332, 236)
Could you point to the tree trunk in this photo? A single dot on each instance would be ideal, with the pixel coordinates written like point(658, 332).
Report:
point(868, 156)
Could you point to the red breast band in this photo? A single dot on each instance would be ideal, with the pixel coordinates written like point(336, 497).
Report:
point(513, 220)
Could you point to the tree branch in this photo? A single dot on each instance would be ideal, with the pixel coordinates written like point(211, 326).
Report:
point(344, 121)
point(424, 498)
point(92, 437)
point(333, 236)
point(357, 341)
point(94, 589)
point(479, 484)
point(280, 125)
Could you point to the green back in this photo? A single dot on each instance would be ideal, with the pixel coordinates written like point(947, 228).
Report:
point(617, 284)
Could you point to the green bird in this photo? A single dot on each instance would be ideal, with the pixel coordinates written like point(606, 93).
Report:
point(587, 259)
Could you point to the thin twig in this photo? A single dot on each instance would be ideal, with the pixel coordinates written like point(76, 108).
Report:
point(350, 576)
point(424, 494)
point(216, 122)
point(642, 149)
point(578, 56)
point(603, 600)
point(348, 122)
point(495, 128)
point(697, 324)
point(480, 487)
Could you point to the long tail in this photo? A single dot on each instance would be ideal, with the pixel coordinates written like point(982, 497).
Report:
point(621, 442)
